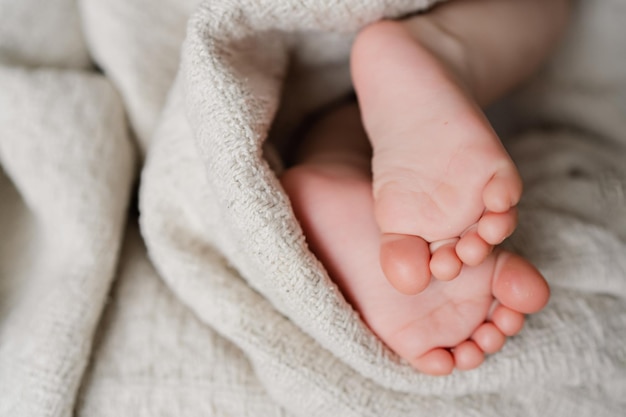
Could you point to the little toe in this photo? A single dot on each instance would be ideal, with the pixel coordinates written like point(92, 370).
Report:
point(444, 263)
point(503, 191)
point(509, 322)
point(493, 228)
point(472, 249)
point(468, 355)
point(489, 338)
point(404, 260)
point(518, 285)
point(436, 362)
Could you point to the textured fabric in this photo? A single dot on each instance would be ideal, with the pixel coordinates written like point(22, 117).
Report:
point(210, 303)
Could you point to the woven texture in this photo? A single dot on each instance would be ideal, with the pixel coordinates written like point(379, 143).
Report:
point(209, 302)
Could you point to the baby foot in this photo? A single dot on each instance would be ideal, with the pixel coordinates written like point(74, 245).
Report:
point(450, 324)
point(443, 183)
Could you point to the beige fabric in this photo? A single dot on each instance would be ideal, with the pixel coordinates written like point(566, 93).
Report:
point(218, 306)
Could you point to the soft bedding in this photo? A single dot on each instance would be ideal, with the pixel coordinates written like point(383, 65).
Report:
point(150, 262)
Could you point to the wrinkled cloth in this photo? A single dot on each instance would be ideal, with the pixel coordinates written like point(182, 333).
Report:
point(207, 301)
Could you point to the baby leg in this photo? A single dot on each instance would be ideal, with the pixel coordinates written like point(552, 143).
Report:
point(443, 183)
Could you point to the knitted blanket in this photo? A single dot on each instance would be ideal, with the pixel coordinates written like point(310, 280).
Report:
point(206, 299)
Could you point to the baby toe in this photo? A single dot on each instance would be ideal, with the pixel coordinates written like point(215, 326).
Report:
point(468, 355)
point(444, 263)
point(489, 338)
point(471, 249)
point(509, 322)
point(518, 285)
point(436, 362)
point(493, 228)
point(404, 260)
point(503, 191)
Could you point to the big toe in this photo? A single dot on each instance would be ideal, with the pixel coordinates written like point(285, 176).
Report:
point(404, 261)
point(518, 285)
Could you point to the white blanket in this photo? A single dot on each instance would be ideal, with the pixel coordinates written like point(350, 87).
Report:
point(214, 304)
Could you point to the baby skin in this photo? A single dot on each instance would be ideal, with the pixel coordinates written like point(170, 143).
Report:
point(404, 196)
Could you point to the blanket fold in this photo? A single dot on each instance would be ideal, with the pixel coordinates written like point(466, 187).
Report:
point(60, 236)
point(215, 305)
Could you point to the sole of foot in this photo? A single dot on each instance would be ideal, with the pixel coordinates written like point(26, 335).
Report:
point(449, 325)
point(443, 183)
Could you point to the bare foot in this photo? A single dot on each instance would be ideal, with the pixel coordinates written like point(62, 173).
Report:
point(449, 324)
point(443, 183)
